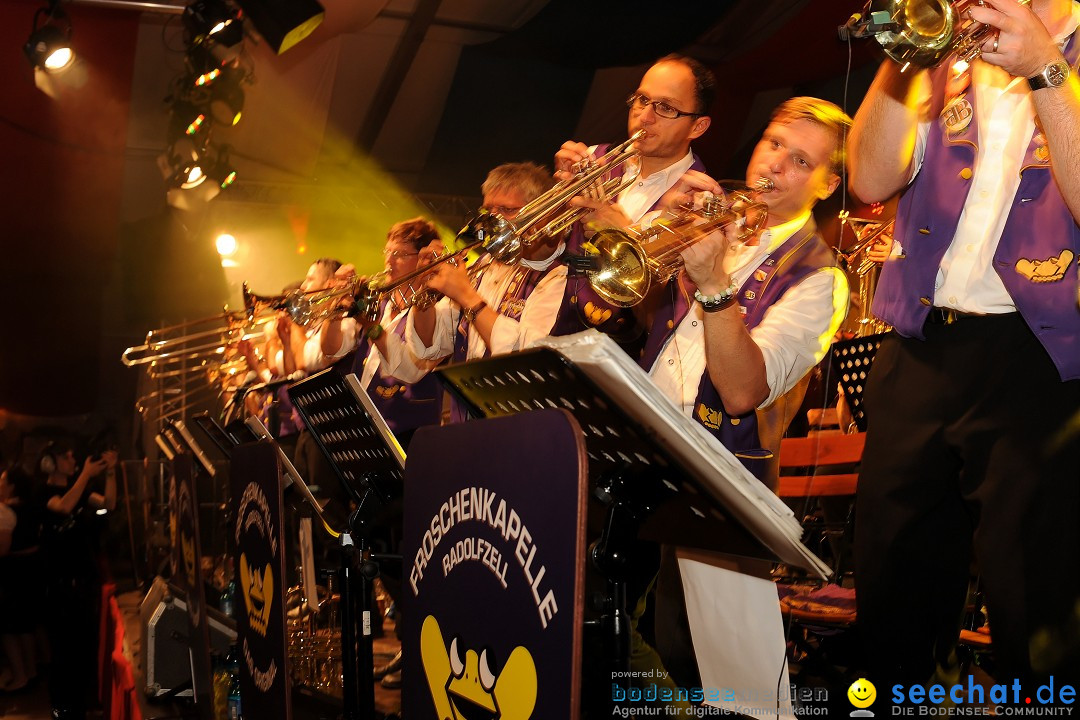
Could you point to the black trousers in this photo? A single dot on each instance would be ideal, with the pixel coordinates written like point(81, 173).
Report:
point(968, 453)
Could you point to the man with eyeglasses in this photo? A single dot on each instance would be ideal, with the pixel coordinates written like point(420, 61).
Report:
point(396, 382)
point(671, 105)
point(510, 304)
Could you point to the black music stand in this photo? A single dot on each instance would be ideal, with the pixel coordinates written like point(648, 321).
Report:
point(369, 462)
point(649, 490)
point(852, 360)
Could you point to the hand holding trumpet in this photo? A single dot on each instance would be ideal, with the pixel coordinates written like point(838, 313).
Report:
point(1022, 45)
point(451, 278)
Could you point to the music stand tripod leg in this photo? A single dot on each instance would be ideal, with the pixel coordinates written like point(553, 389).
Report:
point(359, 569)
point(612, 555)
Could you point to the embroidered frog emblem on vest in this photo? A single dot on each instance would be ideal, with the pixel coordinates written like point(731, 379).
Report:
point(1045, 271)
point(596, 315)
point(709, 418)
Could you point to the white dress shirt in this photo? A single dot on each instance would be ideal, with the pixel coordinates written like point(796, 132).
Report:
point(537, 316)
point(636, 199)
point(398, 362)
point(794, 334)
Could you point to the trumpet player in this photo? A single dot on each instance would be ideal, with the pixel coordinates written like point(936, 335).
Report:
point(732, 337)
point(511, 304)
point(396, 382)
point(671, 104)
point(966, 399)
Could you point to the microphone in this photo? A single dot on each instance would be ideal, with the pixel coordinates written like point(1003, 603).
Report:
point(862, 25)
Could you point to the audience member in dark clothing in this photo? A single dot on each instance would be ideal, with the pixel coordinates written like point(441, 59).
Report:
point(69, 541)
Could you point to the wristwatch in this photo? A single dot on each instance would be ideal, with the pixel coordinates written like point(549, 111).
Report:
point(1053, 75)
point(471, 313)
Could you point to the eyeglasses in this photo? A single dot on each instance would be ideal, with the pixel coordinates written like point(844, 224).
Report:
point(503, 210)
point(638, 101)
point(397, 254)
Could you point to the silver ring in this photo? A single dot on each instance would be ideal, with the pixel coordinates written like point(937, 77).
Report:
point(994, 49)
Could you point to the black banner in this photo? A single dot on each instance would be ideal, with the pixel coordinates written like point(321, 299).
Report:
point(187, 553)
point(493, 563)
point(260, 579)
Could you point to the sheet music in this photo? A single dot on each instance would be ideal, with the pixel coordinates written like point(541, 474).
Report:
point(744, 495)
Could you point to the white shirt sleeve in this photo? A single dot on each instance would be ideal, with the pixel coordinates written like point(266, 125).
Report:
point(796, 331)
point(442, 339)
point(349, 338)
point(400, 362)
point(537, 317)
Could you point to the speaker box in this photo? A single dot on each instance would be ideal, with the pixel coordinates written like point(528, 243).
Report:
point(164, 620)
point(283, 23)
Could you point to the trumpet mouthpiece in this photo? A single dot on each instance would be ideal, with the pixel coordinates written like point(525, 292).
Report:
point(763, 185)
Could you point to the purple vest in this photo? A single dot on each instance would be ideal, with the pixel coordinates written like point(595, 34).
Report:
point(1035, 258)
point(801, 255)
point(405, 406)
point(582, 307)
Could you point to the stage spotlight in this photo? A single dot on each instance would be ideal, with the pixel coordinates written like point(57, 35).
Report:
point(49, 44)
point(227, 98)
point(213, 20)
point(221, 170)
point(182, 165)
point(226, 245)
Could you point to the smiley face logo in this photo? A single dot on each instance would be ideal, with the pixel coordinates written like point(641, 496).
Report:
point(862, 693)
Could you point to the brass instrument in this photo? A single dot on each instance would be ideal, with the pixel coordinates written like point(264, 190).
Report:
point(858, 260)
point(628, 262)
point(368, 292)
point(206, 337)
point(923, 32)
point(412, 291)
point(548, 214)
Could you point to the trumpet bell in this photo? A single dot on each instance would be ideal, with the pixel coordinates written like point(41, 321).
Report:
point(924, 32)
point(496, 235)
point(626, 264)
point(622, 276)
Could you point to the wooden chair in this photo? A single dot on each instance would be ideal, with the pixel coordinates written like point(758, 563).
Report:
point(820, 469)
point(817, 467)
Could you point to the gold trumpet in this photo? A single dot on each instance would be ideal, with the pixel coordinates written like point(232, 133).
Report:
point(548, 214)
point(366, 293)
point(858, 260)
point(922, 32)
point(628, 262)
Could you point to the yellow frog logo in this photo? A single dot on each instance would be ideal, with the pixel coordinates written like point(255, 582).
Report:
point(596, 316)
point(388, 392)
point(709, 418)
point(467, 688)
point(258, 594)
point(1045, 271)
